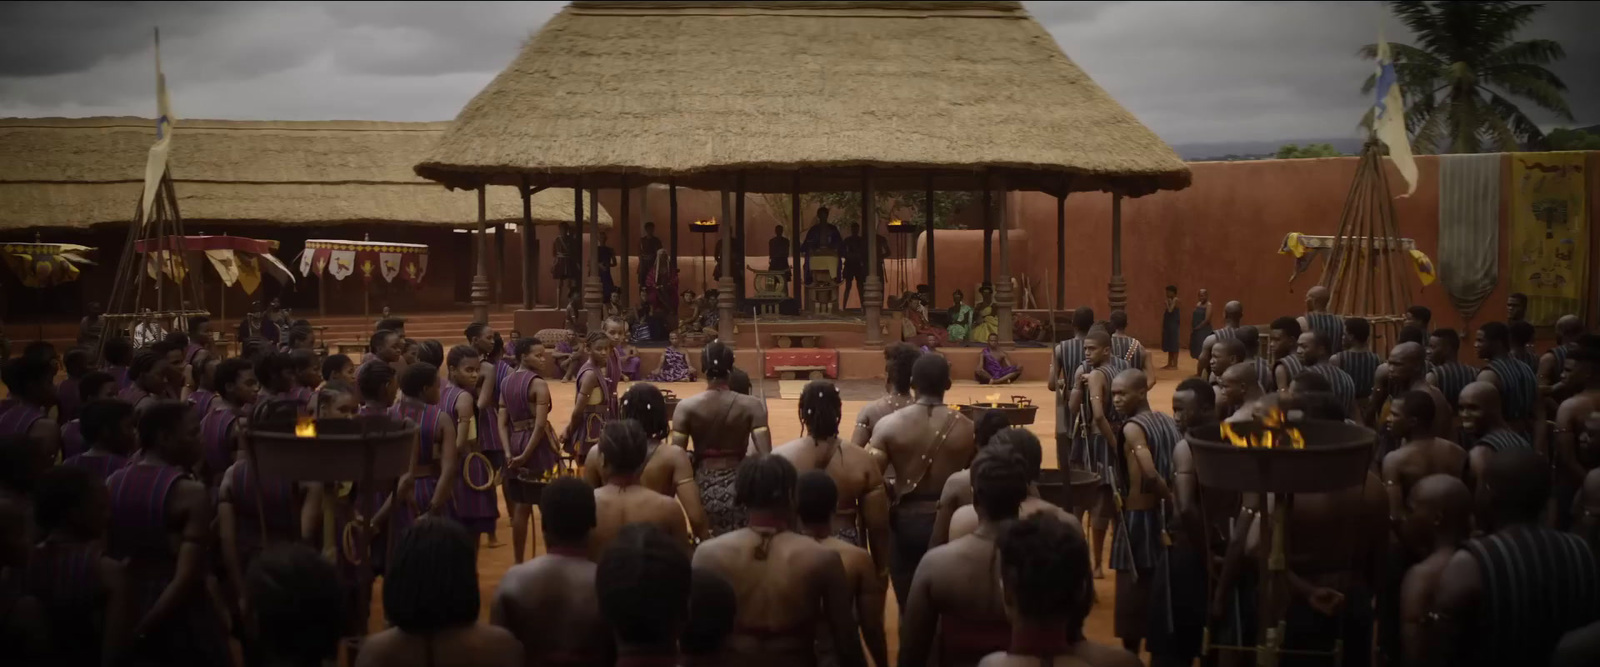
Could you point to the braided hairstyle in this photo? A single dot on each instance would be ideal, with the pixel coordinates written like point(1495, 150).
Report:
point(431, 582)
point(566, 508)
point(644, 403)
point(144, 363)
point(373, 379)
point(821, 409)
point(334, 364)
point(298, 603)
point(521, 346)
point(90, 385)
point(1045, 566)
point(716, 362)
point(432, 352)
point(765, 482)
point(1026, 445)
point(499, 347)
point(623, 444)
point(989, 425)
point(898, 360)
point(379, 340)
point(275, 371)
point(329, 395)
point(417, 378)
point(818, 497)
point(999, 482)
point(596, 339)
point(643, 585)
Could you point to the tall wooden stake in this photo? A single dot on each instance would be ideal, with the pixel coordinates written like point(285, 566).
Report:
point(872, 292)
point(480, 281)
point(927, 262)
point(1117, 287)
point(1004, 297)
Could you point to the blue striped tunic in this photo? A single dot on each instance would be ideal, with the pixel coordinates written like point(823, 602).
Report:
point(1129, 349)
point(1343, 386)
point(1069, 356)
point(1538, 584)
point(1518, 387)
point(1264, 375)
point(1503, 440)
point(1292, 364)
point(1452, 377)
point(1329, 325)
point(1137, 544)
point(1094, 453)
point(1362, 365)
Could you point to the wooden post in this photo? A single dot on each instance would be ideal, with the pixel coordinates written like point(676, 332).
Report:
point(530, 251)
point(672, 225)
point(988, 233)
point(500, 265)
point(593, 303)
point(480, 281)
point(725, 299)
point(1004, 297)
point(1118, 288)
point(796, 275)
point(625, 229)
point(927, 261)
point(872, 291)
point(1061, 252)
point(740, 255)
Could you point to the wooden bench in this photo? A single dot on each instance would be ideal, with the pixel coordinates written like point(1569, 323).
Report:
point(793, 372)
point(787, 340)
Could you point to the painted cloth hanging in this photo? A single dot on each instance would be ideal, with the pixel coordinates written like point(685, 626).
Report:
point(1306, 248)
point(237, 260)
point(1469, 229)
point(368, 259)
point(1549, 233)
point(45, 264)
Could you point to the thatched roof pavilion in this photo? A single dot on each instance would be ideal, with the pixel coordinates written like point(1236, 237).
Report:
point(801, 97)
point(67, 173)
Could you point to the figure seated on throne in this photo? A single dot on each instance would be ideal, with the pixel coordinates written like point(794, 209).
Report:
point(823, 286)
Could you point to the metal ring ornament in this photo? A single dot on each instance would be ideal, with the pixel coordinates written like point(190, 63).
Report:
point(466, 472)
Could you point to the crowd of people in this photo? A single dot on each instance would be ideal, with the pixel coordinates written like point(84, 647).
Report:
point(137, 531)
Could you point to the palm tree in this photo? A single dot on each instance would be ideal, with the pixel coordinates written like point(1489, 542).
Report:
point(1460, 81)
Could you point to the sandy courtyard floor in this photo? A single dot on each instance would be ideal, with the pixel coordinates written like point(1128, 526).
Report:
point(785, 425)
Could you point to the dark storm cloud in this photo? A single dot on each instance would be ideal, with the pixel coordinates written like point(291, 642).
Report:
point(1193, 72)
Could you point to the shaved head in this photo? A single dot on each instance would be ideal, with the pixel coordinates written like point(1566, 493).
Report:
point(1233, 310)
point(1128, 391)
point(1407, 362)
point(1479, 407)
point(1244, 370)
point(1441, 510)
point(1318, 296)
point(1239, 384)
point(1569, 326)
point(1131, 378)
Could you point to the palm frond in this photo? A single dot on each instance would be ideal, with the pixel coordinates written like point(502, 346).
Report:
point(1527, 52)
point(1520, 124)
point(1541, 93)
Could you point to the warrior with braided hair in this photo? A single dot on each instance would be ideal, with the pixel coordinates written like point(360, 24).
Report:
point(596, 395)
point(788, 584)
point(897, 362)
point(622, 499)
point(863, 501)
point(667, 470)
point(722, 424)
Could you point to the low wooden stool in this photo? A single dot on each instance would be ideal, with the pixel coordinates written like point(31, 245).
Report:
point(793, 372)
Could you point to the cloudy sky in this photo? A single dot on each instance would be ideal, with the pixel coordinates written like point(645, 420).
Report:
point(1193, 71)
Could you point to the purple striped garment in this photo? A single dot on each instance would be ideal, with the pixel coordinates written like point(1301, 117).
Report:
point(477, 510)
point(67, 400)
point(517, 390)
point(121, 375)
point(19, 416)
point(64, 578)
point(101, 465)
point(218, 448)
point(138, 530)
point(72, 440)
point(201, 402)
point(426, 417)
point(277, 505)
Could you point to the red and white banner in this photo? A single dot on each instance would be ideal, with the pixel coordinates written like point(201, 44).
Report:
point(368, 259)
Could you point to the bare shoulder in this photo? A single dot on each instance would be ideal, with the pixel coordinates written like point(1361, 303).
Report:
point(1101, 655)
point(789, 449)
point(380, 648)
point(493, 640)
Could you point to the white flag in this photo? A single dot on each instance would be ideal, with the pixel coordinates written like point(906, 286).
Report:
point(156, 165)
point(1389, 118)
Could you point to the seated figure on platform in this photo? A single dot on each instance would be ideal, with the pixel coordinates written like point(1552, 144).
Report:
point(995, 366)
point(916, 324)
point(960, 319)
point(674, 363)
point(984, 321)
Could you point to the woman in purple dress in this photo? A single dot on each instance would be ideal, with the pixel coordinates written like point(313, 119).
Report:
point(595, 399)
point(674, 364)
point(524, 422)
point(435, 466)
point(995, 367)
point(477, 509)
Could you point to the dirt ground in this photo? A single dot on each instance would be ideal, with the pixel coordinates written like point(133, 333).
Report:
point(785, 425)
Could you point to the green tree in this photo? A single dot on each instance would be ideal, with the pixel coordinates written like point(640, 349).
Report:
point(1563, 139)
point(1292, 151)
point(1461, 78)
point(845, 207)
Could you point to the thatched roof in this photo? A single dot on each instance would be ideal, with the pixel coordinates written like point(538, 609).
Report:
point(78, 172)
point(807, 90)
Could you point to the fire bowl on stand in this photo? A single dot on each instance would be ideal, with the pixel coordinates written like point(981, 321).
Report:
point(334, 450)
point(1019, 412)
point(1336, 456)
point(1074, 491)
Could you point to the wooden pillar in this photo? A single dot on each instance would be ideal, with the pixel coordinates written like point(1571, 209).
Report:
point(1004, 297)
point(725, 298)
point(1061, 252)
point(1117, 287)
point(927, 261)
point(672, 223)
point(626, 229)
point(872, 292)
point(500, 265)
point(480, 280)
point(530, 251)
point(593, 298)
point(798, 279)
point(740, 256)
point(988, 233)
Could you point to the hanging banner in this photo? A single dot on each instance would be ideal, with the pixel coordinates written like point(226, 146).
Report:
point(341, 263)
point(226, 265)
point(389, 263)
point(369, 259)
point(45, 264)
point(249, 274)
point(1549, 234)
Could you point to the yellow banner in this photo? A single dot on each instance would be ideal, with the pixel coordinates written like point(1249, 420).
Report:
point(1549, 234)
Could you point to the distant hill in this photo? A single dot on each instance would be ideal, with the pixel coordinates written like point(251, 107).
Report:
point(1255, 150)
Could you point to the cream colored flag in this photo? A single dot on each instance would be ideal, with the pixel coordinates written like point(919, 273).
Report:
point(156, 165)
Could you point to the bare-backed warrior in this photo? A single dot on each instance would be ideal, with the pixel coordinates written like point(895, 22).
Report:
point(1232, 315)
point(1508, 597)
point(1518, 388)
point(1250, 338)
point(817, 498)
point(161, 527)
point(965, 520)
point(1569, 328)
point(1184, 581)
point(1445, 369)
point(1148, 440)
point(1125, 347)
point(788, 584)
point(957, 491)
point(1484, 428)
point(1098, 426)
point(1357, 359)
point(1223, 356)
point(862, 516)
point(1313, 351)
point(1421, 453)
point(1283, 338)
point(722, 424)
point(1403, 373)
point(950, 605)
point(1318, 319)
point(549, 602)
point(668, 471)
point(622, 500)
point(1064, 363)
point(926, 443)
point(1237, 392)
point(1573, 460)
point(897, 362)
point(1438, 521)
point(523, 420)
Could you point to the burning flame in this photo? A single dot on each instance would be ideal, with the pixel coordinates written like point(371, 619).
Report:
point(992, 399)
point(1274, 433)
point(305, 427)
